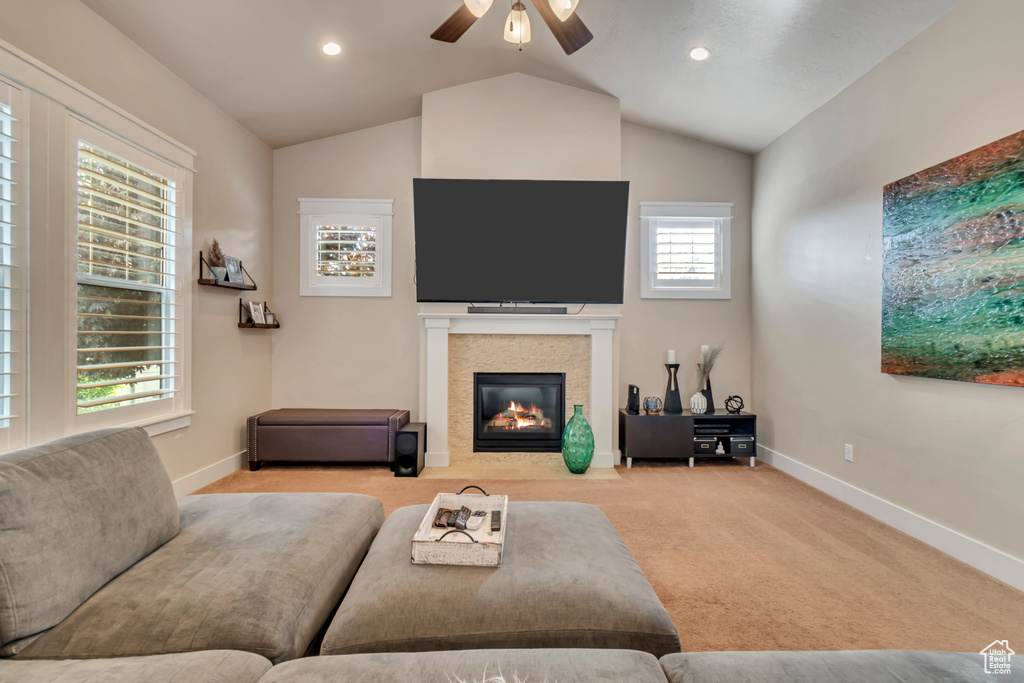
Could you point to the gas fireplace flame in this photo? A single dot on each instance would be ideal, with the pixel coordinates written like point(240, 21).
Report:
point(520, 416)
point(525, 417)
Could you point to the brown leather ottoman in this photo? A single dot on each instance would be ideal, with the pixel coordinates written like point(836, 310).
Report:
point(323, 435)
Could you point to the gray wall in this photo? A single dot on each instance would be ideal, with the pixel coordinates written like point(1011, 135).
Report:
point(663, 167)
point(345, 352)
point(947, 451)
point(232, 198)
point(349, 352)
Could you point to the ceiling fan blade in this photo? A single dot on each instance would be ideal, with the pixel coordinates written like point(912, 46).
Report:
point(457, 24)
point(571, 34)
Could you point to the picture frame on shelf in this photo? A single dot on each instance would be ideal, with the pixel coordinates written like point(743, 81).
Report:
point(234, 267)
point(256, 312)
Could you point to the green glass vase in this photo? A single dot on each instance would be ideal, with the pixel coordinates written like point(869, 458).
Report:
point(578, 442)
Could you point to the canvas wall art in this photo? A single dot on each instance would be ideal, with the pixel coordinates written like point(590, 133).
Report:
point(953, 268)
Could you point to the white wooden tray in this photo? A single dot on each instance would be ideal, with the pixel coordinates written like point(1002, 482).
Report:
point(480, 548)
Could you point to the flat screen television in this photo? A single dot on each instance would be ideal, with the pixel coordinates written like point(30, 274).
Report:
point(520, 241)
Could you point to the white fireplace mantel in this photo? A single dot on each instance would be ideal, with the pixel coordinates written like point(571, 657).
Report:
point(600, 329)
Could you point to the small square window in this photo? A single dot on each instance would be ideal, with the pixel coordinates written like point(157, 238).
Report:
point(685, 250)
point(346, 247)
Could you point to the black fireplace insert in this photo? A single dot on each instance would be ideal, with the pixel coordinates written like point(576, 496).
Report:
point(518, 412)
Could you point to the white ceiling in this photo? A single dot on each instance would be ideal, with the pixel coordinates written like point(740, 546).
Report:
point(773, 61)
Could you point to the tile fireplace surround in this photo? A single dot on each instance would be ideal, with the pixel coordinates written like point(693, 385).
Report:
point(598, 327)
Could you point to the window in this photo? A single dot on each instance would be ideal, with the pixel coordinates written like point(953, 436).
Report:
point(95, 307)
point(128, 284)
point(12, 389)
point(346, 247)
point(685, 250)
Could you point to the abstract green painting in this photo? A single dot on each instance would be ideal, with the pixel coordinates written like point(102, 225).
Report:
point(953, 268)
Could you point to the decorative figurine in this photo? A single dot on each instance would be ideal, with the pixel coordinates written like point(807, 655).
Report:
point(652, 405)
point(734, 404)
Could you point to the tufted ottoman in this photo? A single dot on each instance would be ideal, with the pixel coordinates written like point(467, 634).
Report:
point(322, 435)
point(567, 580)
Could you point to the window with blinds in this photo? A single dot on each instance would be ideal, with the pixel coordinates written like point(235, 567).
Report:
point(11, 320)
point(345, 247)
point(346, 251)
point(129, 346)
point(686, 250)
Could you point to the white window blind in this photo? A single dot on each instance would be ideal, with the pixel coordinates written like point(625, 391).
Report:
point(345, 247)
point(129, 289)
point(12, 158)
point(686, 250)
point(346, 251)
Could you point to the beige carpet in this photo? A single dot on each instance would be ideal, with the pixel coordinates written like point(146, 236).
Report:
point(744, 559)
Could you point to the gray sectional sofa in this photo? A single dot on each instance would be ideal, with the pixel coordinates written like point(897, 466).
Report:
point(105, 578)
point(99, 560)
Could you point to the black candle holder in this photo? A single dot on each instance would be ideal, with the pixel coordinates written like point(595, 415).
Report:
point(673, 403)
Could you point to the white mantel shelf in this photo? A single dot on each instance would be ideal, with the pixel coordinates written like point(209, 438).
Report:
point(598, 326)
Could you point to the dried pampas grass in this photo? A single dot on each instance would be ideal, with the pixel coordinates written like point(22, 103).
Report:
point(708, 356)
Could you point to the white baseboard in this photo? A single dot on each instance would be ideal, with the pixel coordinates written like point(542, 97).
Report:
point(208, 475)
point(993, 562)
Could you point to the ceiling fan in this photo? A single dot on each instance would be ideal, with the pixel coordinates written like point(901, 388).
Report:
point(559, 15)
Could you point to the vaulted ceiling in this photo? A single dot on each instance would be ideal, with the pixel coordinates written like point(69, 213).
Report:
point(772, 61)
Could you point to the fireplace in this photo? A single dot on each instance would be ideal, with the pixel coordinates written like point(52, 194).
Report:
point(518, 412)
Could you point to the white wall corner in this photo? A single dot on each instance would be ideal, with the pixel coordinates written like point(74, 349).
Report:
point(206, 476)
point(995, 563)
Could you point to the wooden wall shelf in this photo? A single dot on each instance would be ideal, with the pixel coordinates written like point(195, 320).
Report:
point(230, 285)
point(245, 319)
point(216, 282)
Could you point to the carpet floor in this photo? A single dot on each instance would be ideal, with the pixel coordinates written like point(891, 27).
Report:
point(743, 559)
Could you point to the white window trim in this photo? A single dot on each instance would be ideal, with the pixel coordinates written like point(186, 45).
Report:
point(312, 211)
point(650, 212)
point(47, 93)
point(165, 409)
point(13, 435)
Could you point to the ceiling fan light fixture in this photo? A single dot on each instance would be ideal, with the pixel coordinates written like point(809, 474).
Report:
point(478, 7)
point(517, 26)
point(563, 9)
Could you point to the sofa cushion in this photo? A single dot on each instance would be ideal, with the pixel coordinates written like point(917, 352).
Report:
point(877, 666)
point(254, 572)
point(567, 580)
point(76, 513)
point(217, 666)
point(590, 666)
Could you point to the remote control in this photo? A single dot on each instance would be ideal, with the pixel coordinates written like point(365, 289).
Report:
point(461, 518)
point(476, 520)
point(496, 521)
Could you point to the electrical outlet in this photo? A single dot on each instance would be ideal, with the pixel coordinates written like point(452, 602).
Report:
point(849, 452)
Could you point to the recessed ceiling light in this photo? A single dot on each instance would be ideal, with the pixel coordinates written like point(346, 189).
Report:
point(332, 49)
point(700, 53)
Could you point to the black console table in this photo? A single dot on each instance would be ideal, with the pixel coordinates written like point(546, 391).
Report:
point(713, 435)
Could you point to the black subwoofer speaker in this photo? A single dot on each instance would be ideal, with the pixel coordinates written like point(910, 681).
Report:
point(410, 445)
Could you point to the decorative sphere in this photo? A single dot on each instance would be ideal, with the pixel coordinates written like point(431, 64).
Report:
point(698, 404)
point(734, 404)
point(652, 405)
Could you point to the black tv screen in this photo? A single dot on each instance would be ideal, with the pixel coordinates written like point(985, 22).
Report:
point(536, 241)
